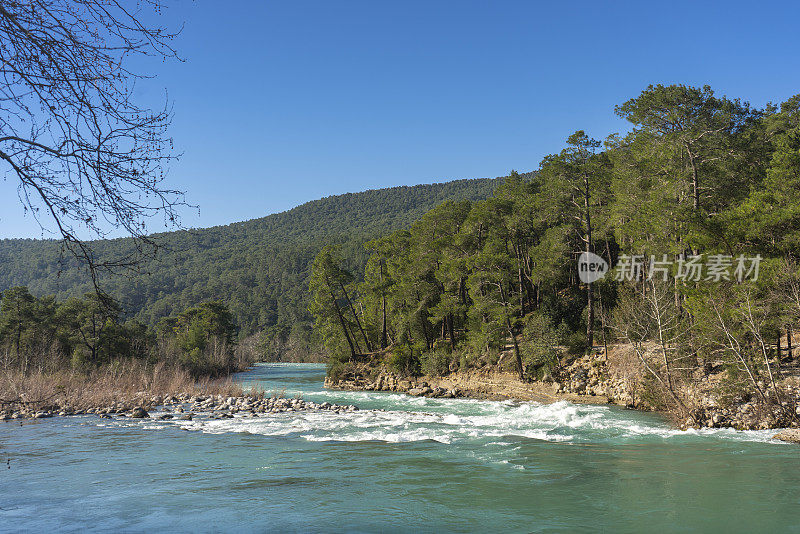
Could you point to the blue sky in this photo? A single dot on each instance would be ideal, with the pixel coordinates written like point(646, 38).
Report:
point(279, 103)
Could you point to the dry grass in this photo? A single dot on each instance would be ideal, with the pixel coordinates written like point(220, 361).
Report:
point(122, 382)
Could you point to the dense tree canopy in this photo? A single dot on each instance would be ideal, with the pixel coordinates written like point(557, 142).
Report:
point(702, 184)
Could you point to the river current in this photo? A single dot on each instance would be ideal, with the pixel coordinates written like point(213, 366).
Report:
point(399, 464)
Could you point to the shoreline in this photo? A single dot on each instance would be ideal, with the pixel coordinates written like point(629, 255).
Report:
point(454, 386)
point(183, 406)
point(482, 384)
point(435, 387)
point(596, 380)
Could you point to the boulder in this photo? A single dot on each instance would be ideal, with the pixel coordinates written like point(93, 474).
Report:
point(139, 413)
point(718, 420)
point(790, 435)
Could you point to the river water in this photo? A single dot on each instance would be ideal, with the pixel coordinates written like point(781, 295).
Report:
point(399, 464)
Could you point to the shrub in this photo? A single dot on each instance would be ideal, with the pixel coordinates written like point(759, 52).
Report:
point(542, 346)
point(403, 361)
point(436, 362)
point(576, 343)
point(337, 369)
point(80, 361)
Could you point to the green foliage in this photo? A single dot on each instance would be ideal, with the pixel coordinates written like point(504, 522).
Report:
point(195, 327)
point(543, 345)
point(83, 333)
point(336, 320)
point(436, 362)
point(403, 360)
point(437, 272)
point(205, 337)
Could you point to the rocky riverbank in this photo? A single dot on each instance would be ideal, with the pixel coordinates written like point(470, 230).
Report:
point(475, 384)
point(601, 378)
point(620, 379)
point(181, 406)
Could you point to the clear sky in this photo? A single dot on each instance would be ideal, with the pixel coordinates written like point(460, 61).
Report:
point(279, 103)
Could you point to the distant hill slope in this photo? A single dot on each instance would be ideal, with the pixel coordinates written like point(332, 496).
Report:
point(259, 267)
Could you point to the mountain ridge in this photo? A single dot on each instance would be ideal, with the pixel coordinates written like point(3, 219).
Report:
point(258, 266)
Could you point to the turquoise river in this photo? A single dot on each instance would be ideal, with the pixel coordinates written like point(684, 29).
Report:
point(400, 464)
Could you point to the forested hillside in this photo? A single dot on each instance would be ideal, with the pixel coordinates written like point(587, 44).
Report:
point(259, 267)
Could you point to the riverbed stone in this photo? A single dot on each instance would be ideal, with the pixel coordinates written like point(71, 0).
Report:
point(790, 435)
point(139, 413)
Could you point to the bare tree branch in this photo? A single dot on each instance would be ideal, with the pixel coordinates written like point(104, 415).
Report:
point(82, 151)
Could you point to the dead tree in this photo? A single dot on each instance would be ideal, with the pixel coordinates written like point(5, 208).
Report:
point(651, 319)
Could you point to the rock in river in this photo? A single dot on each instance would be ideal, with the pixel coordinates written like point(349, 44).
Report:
point(792, 435)
point(139, 413)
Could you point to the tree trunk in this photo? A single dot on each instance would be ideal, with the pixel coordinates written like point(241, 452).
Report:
point(355, 315)
point(425, 331)
point(789, 342)
point(675, 397)
point(19, 339)
point(520, 280)
point(603, 323)
point(589, 288)
point(695, 180)
point(344, 325)
point(517, 355)
point(450, 331)
point(384, 333)
point(513, 336)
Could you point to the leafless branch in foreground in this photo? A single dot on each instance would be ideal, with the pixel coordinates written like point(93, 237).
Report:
point(86, 156)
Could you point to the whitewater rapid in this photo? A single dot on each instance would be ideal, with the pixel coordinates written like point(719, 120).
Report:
point(403, 418)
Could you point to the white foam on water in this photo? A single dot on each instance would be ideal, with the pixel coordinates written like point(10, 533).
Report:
point(389, 426)
point(456, 420)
